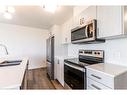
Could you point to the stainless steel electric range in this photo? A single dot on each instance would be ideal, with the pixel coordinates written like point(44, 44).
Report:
point(75, 71)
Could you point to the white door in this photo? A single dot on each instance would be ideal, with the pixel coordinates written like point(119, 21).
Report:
point(58, 70)
point(109, 21)
point(62, 71)
point(88, 14)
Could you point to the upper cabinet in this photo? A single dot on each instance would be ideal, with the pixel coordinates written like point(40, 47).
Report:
point(66, 31)
point(125, 20)
point(86, 15)
point(109, 21)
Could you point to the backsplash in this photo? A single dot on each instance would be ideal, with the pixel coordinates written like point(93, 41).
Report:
point(115, 50)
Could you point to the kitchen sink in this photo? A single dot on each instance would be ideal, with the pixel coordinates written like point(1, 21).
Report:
point(10, 63)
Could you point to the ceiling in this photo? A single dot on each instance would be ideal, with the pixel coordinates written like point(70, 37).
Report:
point(36, 16)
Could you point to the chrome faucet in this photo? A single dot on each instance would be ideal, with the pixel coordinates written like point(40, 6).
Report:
point(4, 48)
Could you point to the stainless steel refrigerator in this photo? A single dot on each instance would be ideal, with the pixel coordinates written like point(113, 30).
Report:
point(50, 57)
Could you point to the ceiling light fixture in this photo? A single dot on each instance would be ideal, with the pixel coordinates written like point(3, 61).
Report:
point(2, 9)
point(50, 6)
point(11, 9)
point(7, 15)
point(7, 11)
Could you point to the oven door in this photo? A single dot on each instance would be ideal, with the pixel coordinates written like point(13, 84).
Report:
point(79, 34)
point(85, 33)
point(74, 76)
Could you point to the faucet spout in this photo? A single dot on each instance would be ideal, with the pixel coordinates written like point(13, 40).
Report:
point(4, 48)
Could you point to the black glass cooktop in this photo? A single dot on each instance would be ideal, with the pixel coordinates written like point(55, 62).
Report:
point(75, 61)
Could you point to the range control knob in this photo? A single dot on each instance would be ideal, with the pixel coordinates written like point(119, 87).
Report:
point(98, 53)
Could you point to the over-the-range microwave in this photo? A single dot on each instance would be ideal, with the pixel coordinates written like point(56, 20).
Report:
point(86, 33)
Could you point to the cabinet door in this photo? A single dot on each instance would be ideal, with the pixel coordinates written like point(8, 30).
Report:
point(58, 71)
point(76, 21)
point(55, 68)
point(109, 21)
point(88, 14)
point(69, 30)
point(25, 78)
point(62, 71)
point(66, 32)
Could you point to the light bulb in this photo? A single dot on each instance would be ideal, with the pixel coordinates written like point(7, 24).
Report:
point(7, 15)
point(11, 9)
point(50, 8)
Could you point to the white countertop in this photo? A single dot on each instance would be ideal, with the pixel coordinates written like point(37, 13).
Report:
point(107, 68)
point(11, 77)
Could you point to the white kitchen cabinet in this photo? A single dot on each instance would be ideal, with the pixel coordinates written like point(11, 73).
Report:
point(58, 77)
point(88, 14)
point(109, 21)
point(60, 70)
point(56, 32)
point(55, 67)
point(66, 31)
point(14, 77)
point(95, 85)
point(76, 21)
point(106, 76)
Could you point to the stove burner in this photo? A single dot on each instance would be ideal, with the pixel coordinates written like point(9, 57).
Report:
point(87, 57)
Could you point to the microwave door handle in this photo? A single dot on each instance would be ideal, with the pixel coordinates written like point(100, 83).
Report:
point(86, 31)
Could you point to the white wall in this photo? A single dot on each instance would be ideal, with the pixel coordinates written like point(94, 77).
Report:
point(115, 50)
point(25, 41)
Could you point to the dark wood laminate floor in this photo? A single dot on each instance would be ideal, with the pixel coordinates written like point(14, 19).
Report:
point(37, 79)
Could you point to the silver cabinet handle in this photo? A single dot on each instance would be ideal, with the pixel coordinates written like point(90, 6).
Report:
point(96, 76)
point(75, 67)
point(86, 31)
point(97, 31)
point(66, 39)
point(95, 87)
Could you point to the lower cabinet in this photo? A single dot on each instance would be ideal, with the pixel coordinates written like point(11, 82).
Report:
point(24, 81)
point(99, 81)
point(59, 70)
point(106, 76)
point(91, 84)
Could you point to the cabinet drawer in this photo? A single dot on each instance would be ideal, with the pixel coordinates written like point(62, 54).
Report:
point(101, 77)
point(91, 84)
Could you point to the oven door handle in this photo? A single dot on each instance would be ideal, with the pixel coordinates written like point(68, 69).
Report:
point(76, 67)
point(86, 31)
